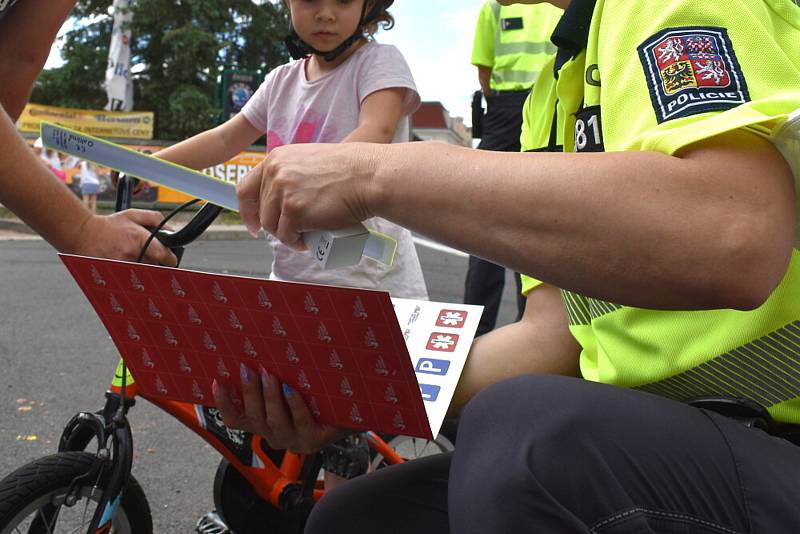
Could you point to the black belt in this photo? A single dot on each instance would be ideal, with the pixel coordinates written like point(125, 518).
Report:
point(749, 413)
point(494, 92)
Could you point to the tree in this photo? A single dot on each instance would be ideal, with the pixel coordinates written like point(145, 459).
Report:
point(178, 49)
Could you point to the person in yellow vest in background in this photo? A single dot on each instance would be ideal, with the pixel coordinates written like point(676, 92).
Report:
point(512, 44)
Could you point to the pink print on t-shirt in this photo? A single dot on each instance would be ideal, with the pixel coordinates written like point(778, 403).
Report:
point(309, 129)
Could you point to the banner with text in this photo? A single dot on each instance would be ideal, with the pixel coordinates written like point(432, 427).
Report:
point(132, 125)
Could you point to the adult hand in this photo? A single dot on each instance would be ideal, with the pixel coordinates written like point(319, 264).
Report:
point(121, 236)
point(299, 188)
point(276, 413)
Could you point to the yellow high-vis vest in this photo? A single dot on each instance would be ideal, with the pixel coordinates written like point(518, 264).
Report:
point(644, 76)
point(514, 41)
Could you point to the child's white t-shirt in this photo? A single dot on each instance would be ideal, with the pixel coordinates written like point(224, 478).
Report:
point(289, 109)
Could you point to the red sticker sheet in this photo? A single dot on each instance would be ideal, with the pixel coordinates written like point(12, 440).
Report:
point(178, 331)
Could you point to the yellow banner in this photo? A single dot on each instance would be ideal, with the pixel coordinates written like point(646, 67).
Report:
point(132, 125)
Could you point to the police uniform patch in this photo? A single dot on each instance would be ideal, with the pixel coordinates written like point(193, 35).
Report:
point(692, 70)
point(515, 23)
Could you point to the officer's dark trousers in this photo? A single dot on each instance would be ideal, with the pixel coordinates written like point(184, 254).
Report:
point(485, 280)
point(553, 455)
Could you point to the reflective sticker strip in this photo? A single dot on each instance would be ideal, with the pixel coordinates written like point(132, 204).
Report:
point(174, 176)
point(381, 247)
point(692, 70)
point(117, 382)
point(766, 370)
point(140, 165)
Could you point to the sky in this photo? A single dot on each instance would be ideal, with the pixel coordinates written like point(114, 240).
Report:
point(435, 36)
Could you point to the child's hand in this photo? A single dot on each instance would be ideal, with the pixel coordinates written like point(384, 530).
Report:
point(276, 413)
point(300, 188)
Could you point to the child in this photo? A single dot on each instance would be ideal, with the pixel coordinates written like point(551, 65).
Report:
point(345, 88)
point(90, 185)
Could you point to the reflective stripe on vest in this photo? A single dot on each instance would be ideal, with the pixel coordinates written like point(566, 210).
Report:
point(515, 77)
point(766, 370)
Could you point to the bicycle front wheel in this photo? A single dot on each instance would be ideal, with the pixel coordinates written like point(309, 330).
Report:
point(33, 499)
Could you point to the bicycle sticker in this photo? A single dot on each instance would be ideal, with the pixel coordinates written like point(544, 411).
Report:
point(117, 382)
point(429, 392)
point(432, 366)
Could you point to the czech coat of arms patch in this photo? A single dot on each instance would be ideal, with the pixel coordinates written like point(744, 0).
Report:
point(692, 70)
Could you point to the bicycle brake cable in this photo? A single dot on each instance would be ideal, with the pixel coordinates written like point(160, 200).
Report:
point(154, 231)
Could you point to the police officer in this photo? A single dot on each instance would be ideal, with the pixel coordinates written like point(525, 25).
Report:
point(27, 187)
point(511, 45)
point(684, 195)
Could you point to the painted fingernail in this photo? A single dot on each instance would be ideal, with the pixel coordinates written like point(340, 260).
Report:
point(287, 390)
point(264, 378)
point(247, 376)
point(215, 388)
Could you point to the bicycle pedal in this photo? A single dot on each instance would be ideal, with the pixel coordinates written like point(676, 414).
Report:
point(211, 523)
point(347, 458)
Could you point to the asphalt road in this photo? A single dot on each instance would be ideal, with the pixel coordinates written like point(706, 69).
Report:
point(56, 360)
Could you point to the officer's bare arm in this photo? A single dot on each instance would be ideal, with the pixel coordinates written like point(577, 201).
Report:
point(484, 78)
point(538, 343)
point(712, 227)
point(26, 33)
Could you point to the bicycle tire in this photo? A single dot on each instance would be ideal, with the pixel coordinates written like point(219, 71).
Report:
point(241, 508)
point(44, 481)
point(411, 448)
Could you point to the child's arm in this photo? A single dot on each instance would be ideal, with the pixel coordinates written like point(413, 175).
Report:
point(213, 146)
point(380, 113)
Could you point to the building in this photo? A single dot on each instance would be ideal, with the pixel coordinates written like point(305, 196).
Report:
point(432, 122)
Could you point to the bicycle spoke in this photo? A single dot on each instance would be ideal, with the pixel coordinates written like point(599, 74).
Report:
point(45, 520)
point(88, 500)
point(78, 529)
point(428, 443)
point(41, 518)
point(425, 443)
point(85, 508)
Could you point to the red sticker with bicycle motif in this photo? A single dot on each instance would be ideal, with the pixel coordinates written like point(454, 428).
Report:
point(340, 348)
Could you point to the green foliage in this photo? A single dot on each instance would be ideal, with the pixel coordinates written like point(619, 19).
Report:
point(179, 48)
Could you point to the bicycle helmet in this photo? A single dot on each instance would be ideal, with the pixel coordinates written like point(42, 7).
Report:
point(299, 49)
